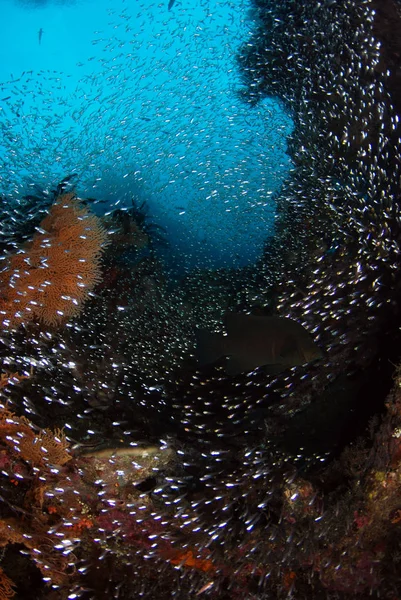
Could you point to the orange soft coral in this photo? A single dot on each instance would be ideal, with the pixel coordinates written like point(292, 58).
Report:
point(50, 278)
point(37, 448)
point(6, 586)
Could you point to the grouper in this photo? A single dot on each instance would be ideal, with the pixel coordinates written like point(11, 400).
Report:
point(276, 343)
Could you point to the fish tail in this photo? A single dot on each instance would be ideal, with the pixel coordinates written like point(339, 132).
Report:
point(209, 348)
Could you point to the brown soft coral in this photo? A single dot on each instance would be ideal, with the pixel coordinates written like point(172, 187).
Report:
point(50, 278)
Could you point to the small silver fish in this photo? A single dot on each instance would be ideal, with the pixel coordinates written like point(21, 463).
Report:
point(276, 343)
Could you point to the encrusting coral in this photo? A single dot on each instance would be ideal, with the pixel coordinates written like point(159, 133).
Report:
point(50, 278)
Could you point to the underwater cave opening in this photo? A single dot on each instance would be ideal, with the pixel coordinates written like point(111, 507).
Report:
point(214, 206)
point(146, 105)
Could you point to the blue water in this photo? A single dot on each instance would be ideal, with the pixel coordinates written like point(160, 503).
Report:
point(141, 102)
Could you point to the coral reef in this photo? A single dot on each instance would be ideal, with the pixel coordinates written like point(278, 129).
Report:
point(71, 510)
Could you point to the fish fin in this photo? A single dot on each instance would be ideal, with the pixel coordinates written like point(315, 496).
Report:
point(275, 369)
point(235, 366)
point(209, 347)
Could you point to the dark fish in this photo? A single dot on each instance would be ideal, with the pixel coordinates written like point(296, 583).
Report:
point(171, 4)
point(255, 341)
point(40, 34)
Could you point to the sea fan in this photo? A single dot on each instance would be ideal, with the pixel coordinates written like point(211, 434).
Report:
point(50, 278)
